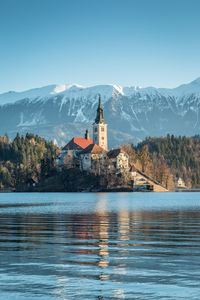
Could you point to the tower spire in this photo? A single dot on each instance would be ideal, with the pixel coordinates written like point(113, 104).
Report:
point(100, 106)
point(100, 128)
point(99, 117)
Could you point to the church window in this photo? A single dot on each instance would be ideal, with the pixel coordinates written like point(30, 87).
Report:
point(102, 128)
point(102, 138)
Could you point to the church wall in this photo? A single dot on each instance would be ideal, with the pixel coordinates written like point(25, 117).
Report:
point(85, 162)
point(122, 161)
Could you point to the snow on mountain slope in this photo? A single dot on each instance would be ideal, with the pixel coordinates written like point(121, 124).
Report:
point(88, 93)
point(74, 91)
point(62, 111)
point(42, 93)
point(12, 97)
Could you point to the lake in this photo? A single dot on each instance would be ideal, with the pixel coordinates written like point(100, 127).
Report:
point(99, 246)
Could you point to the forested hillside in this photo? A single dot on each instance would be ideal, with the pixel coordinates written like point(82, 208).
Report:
point(181, 154)
point(25, 160)
point(29, 159)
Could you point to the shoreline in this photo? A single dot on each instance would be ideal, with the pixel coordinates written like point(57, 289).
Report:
point(115, 190)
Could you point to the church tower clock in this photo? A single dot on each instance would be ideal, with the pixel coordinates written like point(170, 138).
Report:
point(100, 128)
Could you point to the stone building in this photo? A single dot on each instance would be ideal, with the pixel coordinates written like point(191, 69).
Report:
point(93, 155)
point(91, 158)
point(118, 160)
point(69, 153)
point(179, 183)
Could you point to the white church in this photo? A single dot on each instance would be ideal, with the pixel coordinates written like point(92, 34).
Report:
point(92, 154)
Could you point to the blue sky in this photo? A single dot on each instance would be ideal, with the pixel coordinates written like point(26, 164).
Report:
point(126, 42)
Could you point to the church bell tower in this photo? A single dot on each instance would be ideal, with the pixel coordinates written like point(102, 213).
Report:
point(100, 128)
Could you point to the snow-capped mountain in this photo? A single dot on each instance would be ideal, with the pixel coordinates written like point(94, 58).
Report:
point(62, 111)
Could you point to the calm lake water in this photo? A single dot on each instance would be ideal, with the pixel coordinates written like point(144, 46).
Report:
point(100, 246)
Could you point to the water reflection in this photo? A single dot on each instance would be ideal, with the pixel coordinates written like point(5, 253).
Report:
point(97, 253)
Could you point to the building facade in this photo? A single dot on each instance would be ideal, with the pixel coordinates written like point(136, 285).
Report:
point(118, 160)
point(91, 158)
point(179, 183)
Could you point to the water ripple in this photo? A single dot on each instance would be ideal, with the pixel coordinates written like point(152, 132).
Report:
point(100, 246)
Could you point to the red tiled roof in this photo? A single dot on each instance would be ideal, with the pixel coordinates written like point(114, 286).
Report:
point(114, 153)
point(93, 148)
point(78, 143)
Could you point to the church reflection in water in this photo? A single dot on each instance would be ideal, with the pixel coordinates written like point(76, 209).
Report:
point(103, 229)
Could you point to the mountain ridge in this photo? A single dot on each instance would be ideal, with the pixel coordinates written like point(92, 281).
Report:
point(107, 90)
point(132, 113)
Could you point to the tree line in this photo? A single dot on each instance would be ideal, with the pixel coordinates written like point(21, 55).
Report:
point(29, 159)
point(178, 156)
point(25, 160)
